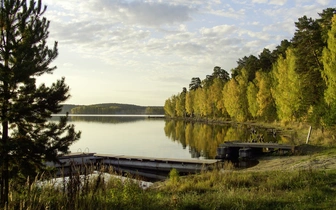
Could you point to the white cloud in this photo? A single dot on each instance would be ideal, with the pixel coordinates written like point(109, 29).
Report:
point(260, 1)
point(323, 2)
point(227, 11)
point(158, 41)
point(278, 2)
point(219, 31)
point(144, 13)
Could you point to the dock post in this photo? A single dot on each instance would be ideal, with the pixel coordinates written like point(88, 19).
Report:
point(309, 132)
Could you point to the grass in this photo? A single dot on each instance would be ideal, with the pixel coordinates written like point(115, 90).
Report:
point(218, 189)
point(297, 133)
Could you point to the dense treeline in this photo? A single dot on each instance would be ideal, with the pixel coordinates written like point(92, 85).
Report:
point(296, 82)
point(66, 108)
point(112, 108)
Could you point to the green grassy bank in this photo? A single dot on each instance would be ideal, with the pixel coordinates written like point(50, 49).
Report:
point(219, 189)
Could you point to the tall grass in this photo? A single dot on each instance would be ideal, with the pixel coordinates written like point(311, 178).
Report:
point(305, 189)
point(297, 133)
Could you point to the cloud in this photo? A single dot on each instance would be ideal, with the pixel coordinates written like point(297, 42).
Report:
point(260, 1)
point(323, 2)
point(155, 34)
point(225, 11)
point(145, 13)
point(275, 2)
point(220, 30)
point(278, 2)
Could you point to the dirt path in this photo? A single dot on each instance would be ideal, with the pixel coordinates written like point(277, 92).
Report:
point(315, 161)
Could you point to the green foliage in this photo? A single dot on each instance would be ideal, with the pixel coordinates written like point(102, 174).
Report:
point(216, 97)
point(242, 102)
point(288, 89)
point(329, 75)
point(266, 60)
point(169, 106)
point(307, 47)
point(231, 101)
point(180, 106)
point(190, 103)
point(305, 189)
point(329, 64)
point(265, 100)
point(199, 104)
point(154, 110)
point(325, 22)
point(252, 99)
point(281, 50)
point(195, 83)
point(174, 176)
point(329, 118)
point(114, 108)
point(219, 74)
point(293, 83)
point(250, 65)
point(27, 137)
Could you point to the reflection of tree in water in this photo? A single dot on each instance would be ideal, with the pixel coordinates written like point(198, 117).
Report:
point(263, 135)
point(194, 153)
point(105, 119)
point(203, 139)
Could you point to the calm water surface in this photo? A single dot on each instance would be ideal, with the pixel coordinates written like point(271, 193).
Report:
point(125, 135)
point(160, 138)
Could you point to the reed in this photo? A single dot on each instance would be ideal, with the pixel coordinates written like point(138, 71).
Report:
point(218, 189)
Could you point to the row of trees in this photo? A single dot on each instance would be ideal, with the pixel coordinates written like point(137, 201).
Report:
point(294, 82)
point(114, 108)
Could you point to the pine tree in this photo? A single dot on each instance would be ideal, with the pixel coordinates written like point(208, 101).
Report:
point(27, 137)
point(307, 46)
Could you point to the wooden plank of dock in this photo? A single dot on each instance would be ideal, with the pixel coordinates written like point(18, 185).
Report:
point(76, 155)
point(156, 164)
point(153, 159)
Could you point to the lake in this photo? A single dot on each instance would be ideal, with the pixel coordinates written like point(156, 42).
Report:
point(158, 137)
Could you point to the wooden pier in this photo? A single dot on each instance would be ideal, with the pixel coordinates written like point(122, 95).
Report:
point(234, 150)
point(159, 168)
point(155, 168)
point(161, 164)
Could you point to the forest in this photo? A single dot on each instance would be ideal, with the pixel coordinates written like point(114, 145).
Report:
point(296, 82)
point(112, 108)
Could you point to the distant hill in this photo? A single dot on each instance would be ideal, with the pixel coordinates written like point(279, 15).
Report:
point(111, 108)
point(67, 108)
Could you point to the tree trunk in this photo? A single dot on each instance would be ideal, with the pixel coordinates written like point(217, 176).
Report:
point(4, 151)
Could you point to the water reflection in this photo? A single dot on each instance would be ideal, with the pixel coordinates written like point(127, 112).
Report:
point(125, 135)
point(203, 139)
point(113, 119)
point(157, 137)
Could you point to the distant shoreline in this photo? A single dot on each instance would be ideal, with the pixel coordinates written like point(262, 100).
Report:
point(112, 109)
point(110, 115)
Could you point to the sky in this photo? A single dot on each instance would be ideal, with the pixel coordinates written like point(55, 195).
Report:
point(144, 51)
